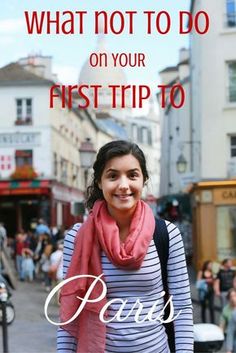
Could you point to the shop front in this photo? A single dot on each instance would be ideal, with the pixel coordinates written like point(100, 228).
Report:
point(214, 221)
point(23, 202)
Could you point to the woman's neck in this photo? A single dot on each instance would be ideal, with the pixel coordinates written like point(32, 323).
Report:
point(123, 220)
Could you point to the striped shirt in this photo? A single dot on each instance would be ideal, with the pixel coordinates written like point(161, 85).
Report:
point(141, 286)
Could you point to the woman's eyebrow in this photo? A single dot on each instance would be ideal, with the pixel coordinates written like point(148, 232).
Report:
point(116, 170)
point(111, 170)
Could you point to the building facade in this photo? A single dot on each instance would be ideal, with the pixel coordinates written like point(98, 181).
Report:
point(202, 134)
point(175, 129)
point(40, 167)
point(213, 112)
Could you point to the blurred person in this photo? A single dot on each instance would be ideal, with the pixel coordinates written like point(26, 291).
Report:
point(206, 297)
point(45, 266)
point(56, 263)
point(231, 334)
point(224, 281)
point(228, 310)
point(43, 241)
point(234, 282)
point(20, 244)
point(3, 235)
point(28, 264)
point(42, 228)
point(32, 241)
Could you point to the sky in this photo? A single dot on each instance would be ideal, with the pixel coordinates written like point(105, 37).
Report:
point(69, 52)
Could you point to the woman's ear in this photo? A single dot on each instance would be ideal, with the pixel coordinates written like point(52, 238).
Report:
point(100, 185)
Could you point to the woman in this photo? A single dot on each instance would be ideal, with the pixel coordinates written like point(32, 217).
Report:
point(228, 310)
point(117, 240)
point(207, 296)
point(231, 334)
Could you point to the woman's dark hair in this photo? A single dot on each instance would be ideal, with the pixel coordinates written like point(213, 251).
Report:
point(230, 291)
point(107, 152)
point(205, 265)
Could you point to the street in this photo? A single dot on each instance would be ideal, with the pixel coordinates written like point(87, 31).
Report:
point(30, 332)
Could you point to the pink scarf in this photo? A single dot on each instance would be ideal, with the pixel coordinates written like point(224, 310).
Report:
point(101, 233)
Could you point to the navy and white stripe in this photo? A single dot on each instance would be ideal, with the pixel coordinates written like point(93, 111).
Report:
point(144, 284)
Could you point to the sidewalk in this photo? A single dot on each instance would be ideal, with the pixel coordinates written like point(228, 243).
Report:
point(31, 332)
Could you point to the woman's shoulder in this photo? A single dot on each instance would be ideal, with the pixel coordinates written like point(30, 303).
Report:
point(72, 232)
point(173, 230)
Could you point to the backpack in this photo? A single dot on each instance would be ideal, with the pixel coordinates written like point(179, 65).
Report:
point(161, 240)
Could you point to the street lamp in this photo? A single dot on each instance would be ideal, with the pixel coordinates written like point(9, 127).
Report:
point(181, 164)
point(87, 155)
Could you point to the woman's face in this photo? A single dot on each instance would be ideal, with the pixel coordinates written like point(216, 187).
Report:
point(209, 266)
point(122, 184)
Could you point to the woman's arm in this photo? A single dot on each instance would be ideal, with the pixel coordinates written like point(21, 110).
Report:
point(65, 342)
point(178, 283)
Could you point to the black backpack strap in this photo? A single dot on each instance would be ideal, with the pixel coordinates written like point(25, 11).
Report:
point(161, 240)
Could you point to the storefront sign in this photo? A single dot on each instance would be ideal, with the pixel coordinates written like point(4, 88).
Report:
point(66, 194)
point(19, 138)
point(225, 196)
point(28, 191)
point(229, 194)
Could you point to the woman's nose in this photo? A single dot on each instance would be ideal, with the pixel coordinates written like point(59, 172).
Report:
point(124, 184)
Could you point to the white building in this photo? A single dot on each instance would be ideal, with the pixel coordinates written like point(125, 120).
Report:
point(175, 130)
point(213, 78)
point(35, 138)
point(105, 74)
point(213, 113)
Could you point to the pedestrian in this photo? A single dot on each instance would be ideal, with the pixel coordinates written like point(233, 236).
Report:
point(55, 271)
point(42, 228)
point(116, 243)
point(3, 236)
point(224, 281)
point(45, 266)
point(231, 334)
point(43, 240)
point(20, 244)
point(205, 279)
point(228, 310)
point(28, 264)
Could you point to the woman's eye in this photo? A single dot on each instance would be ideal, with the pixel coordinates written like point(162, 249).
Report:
point(133, 175)
point(112, 176)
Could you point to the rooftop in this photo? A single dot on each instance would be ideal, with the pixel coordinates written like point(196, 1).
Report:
point(14, 74)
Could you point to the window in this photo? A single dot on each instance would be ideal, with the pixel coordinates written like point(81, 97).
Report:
point(24, 157)
point(226, 231)
point(55, 164)
point(63, 171)
point(23, 111)
point(233, 146)
point(232, 82)
point(135, 132)
point(144, 135)
point(231, 13)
